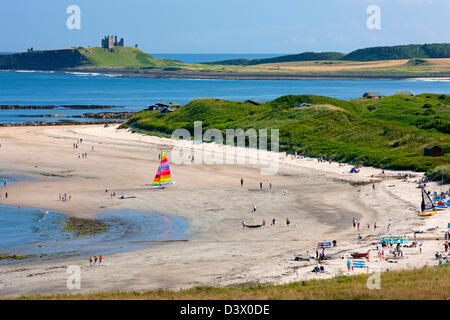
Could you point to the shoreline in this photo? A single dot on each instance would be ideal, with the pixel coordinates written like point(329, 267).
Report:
point(65, 237)
point(320, 199)
point(211, 75)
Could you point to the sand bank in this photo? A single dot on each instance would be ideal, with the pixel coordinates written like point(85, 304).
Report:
point(319, 198)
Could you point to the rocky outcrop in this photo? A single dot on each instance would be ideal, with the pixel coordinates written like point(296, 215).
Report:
point(107, 115)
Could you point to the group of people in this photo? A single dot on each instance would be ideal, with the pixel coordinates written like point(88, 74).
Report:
point(65, 197)
point(356, 225)
point(260, 184)
point(81, 155)
point(93, 260)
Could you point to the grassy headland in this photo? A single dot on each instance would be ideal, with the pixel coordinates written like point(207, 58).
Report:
point(123, 57)
point(436, 50)
point(387, 133)
point(429, 60)
point(419, 284)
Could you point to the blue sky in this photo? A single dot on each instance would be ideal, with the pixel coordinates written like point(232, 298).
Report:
point(231, 26)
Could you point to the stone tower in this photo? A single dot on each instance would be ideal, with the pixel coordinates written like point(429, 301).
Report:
point(109, 42)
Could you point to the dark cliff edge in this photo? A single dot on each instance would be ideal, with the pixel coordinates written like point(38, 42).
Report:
point(43, 60)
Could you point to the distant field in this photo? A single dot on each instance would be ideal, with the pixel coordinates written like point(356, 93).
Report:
point(420, 284)
point(388, 67)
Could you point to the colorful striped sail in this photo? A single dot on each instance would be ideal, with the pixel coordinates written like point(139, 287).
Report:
point(163, 173)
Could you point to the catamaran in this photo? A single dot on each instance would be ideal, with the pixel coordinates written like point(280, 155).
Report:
point(427, 204)
point(162, 178)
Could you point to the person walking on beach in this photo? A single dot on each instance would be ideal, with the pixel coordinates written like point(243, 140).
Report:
point(95, 260)
point(90, 261)
point(354, 223)
point(242, 182)
point(254, 208)
point(100, 260)
point(6, 195)
point(358, 225)
point(349, 265)
point(388, 227)
point(270, 185)
point(260, 185)
point(375, 226)
point(288, 222)
point(359, 238)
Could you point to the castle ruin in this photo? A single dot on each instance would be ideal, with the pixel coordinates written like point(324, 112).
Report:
point(109, 42)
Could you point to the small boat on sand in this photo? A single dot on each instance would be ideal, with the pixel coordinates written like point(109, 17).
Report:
point(358, 255)
point(427, 207)
point(427, 214)
point(162, 178)
point(253, 225)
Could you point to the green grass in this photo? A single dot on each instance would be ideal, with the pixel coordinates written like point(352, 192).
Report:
point(387, 133)
point(123, 57)
point(418, 284)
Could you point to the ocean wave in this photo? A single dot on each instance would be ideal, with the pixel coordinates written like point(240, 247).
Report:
point(32, 71)
point(84, 74)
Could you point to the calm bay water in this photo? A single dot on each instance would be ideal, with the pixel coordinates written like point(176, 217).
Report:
point(134, 94)
point(37, 232)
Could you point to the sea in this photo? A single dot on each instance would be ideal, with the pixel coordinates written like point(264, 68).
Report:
point(39, 234)
point(134, 94)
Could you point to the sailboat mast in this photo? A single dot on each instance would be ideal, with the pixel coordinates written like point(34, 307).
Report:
point(160, 163)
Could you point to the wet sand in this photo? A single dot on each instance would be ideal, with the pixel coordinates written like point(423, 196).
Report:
point(320, 199)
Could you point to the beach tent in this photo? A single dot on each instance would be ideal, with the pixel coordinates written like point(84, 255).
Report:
point(324, 245)
point(358, 264)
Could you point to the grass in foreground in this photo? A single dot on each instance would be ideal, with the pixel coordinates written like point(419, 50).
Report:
point(431, 283)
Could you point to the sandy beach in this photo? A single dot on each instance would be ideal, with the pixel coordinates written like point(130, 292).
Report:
point(319, 198)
